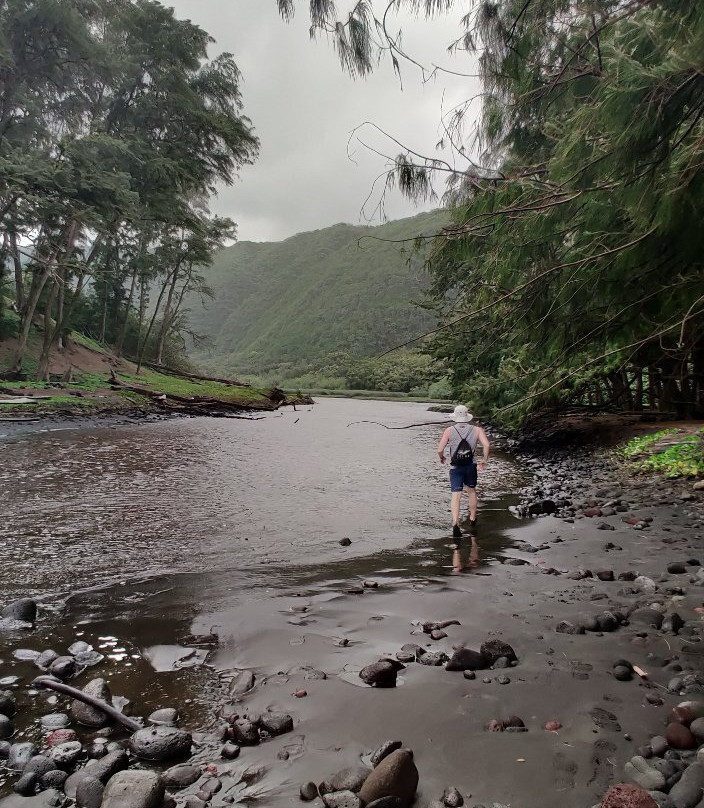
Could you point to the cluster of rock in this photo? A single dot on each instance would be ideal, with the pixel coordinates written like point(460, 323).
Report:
point(18, 616)
point(573, 483)
point(669, 771)
point(493, 654)
point(390, 781)
point(93, 774)
point(82, 761)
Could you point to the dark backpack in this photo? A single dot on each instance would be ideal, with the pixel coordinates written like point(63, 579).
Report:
point(464, 454)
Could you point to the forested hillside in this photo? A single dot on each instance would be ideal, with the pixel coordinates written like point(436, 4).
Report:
point(572, 273)
point(318, 303)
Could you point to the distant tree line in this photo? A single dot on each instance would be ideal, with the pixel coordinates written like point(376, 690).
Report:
point(573, 272)
point(115, 127)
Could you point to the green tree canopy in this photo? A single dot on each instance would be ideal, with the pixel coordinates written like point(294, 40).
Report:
point(573, 271)
point(115, 128)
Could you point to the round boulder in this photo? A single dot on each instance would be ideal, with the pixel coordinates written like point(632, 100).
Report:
point(160, 743)
point(350, 779)
point(679, 737)
point(384, 751)
point(182, 776)
point(90, 716)
point(395, 776)
point(6, 727)
point(63, 667)
point(8, 705)
point(276, 723)
point(20, 755)
point(134, 789)
point(465, 659)
point(166, 717)
point(380, 674)
point(89, 793)
point(66, 754)
point(24, 609)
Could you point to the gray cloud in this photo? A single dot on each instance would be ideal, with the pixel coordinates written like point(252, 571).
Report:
point(304, 109)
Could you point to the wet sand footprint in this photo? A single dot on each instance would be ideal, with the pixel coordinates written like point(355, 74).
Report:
point(565, 771)
point(604, 719)
point(602, 766)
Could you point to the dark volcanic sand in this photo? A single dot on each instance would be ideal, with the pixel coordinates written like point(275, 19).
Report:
point(440, 714)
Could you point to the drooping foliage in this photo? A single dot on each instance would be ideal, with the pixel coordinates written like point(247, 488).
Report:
point(573, 272)
point(114, 129)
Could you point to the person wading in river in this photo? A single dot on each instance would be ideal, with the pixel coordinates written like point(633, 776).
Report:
point(462, 440)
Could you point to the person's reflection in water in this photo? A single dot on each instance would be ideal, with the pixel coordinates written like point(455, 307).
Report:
point(472, 558)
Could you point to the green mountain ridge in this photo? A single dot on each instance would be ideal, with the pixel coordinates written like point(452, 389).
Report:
point(345, 291)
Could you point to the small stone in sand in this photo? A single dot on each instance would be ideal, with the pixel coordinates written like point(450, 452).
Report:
point(230, 751)
point(308, 792)
point(345, 542)
point(384, 751)
point(452, 798)
point(553, 726)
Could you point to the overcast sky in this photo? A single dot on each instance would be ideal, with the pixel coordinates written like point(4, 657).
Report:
point(304, 109)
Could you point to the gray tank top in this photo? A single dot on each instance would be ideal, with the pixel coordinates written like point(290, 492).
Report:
point(460, 431)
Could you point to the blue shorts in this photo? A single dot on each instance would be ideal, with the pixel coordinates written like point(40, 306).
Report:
point(461, 476)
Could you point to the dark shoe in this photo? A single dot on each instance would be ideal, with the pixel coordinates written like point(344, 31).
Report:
point(456, 532)
point(472, 524)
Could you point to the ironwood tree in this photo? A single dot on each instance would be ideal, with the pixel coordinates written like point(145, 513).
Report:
point(115, 127)
point(573, 271)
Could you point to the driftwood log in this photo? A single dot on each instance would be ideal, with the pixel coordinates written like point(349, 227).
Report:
point(193, 403)
point(195, 376)
point(79, 695)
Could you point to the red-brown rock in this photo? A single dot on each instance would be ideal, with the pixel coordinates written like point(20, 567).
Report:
point(682, 715)
point(60, 736)
point(592, 512)
point(553, 726)
point(625, 795)
point(679, 737)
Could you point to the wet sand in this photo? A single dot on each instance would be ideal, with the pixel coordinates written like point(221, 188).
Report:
point(439, 714)
point(281, 636)
point(281, 622)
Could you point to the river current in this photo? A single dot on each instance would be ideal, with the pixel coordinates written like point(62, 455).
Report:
point(209, 497)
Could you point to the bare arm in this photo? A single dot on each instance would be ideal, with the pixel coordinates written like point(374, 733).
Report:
point(443, 443)
point(486, 446)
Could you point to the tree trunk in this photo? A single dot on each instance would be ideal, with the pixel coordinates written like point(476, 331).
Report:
point(4, 255)
point(639, 390)
point(123, 325)
point(38, 282)
point(45, 358)
point(19, 274)
point(165, 321)
point(142, 349)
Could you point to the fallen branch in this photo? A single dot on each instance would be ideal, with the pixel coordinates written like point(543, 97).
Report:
point(410, 426)
point(193, 402)
point(195, 376)
point(79, 695)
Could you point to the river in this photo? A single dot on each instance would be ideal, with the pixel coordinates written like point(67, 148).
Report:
point(260, 502)
point(146, 539)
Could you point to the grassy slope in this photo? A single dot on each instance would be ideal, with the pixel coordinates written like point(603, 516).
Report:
point(315, 293)
point(89, 390)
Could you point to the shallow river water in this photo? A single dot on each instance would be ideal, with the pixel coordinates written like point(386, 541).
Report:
point(144, 539)
point(258, 502)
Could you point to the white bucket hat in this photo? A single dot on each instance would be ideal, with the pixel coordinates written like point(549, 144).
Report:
point(461, 414)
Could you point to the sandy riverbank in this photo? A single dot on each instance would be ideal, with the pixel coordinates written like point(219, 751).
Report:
point(441, 715)
point(288, 638)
